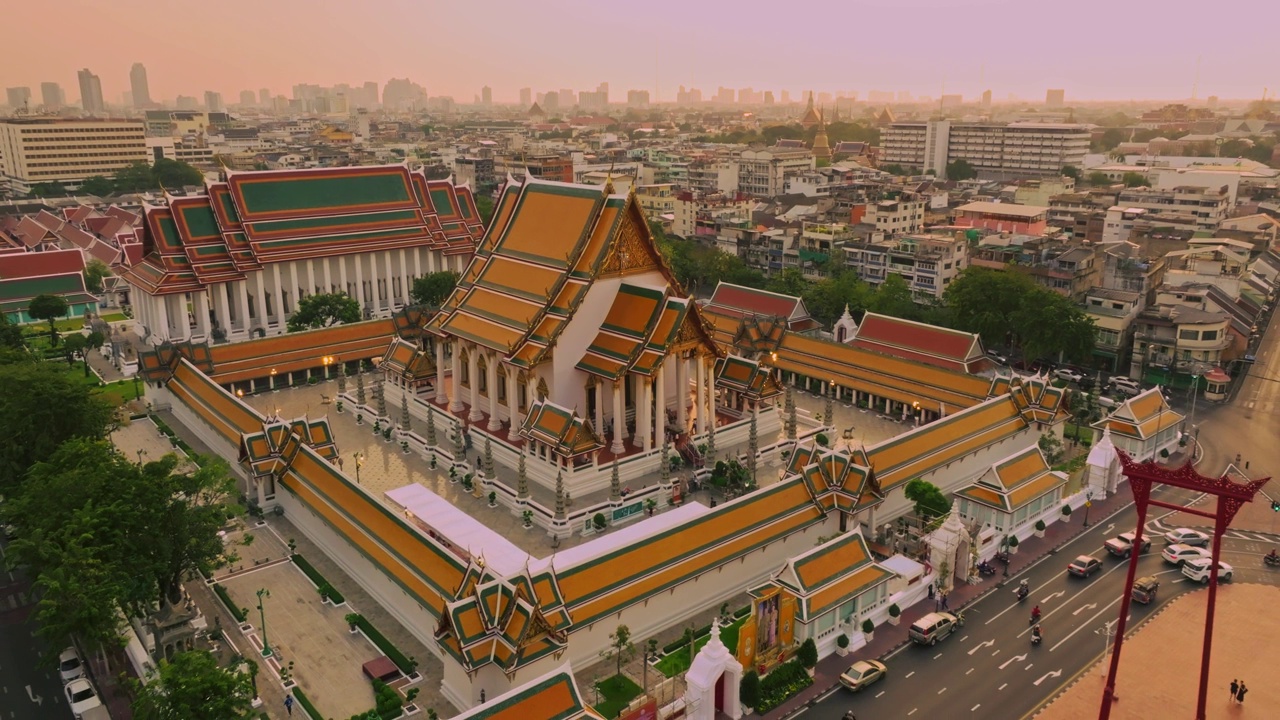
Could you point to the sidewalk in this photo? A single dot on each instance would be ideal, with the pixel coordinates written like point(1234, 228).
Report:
point(889, 638)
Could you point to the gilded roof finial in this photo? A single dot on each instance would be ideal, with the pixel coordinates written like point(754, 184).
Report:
point(608, 181)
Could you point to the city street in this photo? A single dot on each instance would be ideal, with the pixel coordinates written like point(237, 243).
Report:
point(29, 687)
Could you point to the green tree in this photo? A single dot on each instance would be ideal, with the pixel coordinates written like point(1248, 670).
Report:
point(749, 689)
point(929, 500)
point(1052, 448)
point(1111, 137)
point(1098, 179)
point(985, 301)
point(894, 298)
point(808, 653)
point(484, 206)
point(1134, 179)
point(48, 307)
point(318, 311)
point(1071, 171)
point(10, 334)
point(72, 346)
point(95, 272)
point(961, 170)
point(620, 648)
point(97, 185)
point(168, 173)
point(433, 289)
point(789, 282)
point(192, 686)
point(40, 409)
point(827, 298)
point(135, 177)
point(47, 189)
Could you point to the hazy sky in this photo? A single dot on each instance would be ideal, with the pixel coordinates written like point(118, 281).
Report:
point(1104, 49)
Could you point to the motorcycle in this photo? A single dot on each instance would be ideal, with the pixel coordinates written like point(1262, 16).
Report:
point(960, 619)
point(1022, 592)
point(1035, 617)
point(1036, 638)
point(1001, 557)
point(1271, 560)
point(985, 569)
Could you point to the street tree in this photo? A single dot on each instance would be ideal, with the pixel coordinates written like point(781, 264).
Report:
point(1134, 179)
point(134, 177)
point(620, 648)
point(1051, 446)
point(894, 298)
point(48, 189)
point(484, 206)
point(40, 409)
point(10, 334)
point(192, 686)
point(319, 311)
point(961, 170)
point(985, 301)
point(48, 307)
point(95, 273)
point(1098, 179)
point(97, 185)
point(433, 289)
point(929, 500)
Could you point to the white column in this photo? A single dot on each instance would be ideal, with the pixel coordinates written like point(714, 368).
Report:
point(660, 411)
point(431, 260)
point(455, 382)
point(513, 405)
point(220, 312)
point(359, 282)
point(440, 393)
point(619, 418)
point(709, 377)
point(296, 290)
point(646, 427)
point(328, 279)
point(417, 261)
point(391, 285)
point(279, 298)
point(141, 303)
point(242, 292)
point(162, 317)
point(374, 299)
point(260, 297)
point(700, 401)
point(598, 419)
point(473, 374)
point(342, 279)
point(202, 314)
point(682, 392)
point(494, 423)
point(406, 283)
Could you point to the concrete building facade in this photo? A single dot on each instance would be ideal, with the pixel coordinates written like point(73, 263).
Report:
point(39, 150)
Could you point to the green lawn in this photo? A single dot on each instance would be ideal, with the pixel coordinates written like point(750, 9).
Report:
point(63, 325)
point(679, 661)
point(615, 693)
point(122, 391)
point(114, 317)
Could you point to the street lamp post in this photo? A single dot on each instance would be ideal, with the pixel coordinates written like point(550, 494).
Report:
point(262, 615)
point(1088, 502)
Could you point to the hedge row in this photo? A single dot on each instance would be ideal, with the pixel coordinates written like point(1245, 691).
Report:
point(306, 704)
point(236, 611)
point(406, 665)
point(782, 683)
point(326, 590)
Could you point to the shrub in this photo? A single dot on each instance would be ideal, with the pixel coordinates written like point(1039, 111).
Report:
point(405, 665)
point(1040, 525)
point(785, 681)
point(842, 642)
point(326, 590)
point(1066, 511)
point(807, 654)
point(493, 498)
point(868, 627)
point(236, 612)
point(749, 689)
point(387, 701)
point(822, 439)
point(894, 610)
point(1013, 541)
point(598, 522)
point(305, 702)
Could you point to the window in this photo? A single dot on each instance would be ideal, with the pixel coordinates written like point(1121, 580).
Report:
point(466, 370)
point(1209, 335)
point(482, 379)
point(502, 385)
point(1188, 334)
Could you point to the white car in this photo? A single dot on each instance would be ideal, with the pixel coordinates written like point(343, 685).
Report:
point(1127, 386)
point(1186, 536)
point(81, 697)
point(69, 665)
point(1068, 374)
point(1198, 570)
point(1178, 554)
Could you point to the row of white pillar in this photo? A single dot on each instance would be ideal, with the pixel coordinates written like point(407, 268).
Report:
point(166, 318)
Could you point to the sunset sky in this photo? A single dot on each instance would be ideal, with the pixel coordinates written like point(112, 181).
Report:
point(1099, 49)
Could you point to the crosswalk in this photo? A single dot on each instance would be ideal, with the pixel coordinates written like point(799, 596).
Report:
point(1156, 527)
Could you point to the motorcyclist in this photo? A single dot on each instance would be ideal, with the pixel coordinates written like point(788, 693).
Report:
point(1035, 613)
point(1035, 634)
point(1272, 556)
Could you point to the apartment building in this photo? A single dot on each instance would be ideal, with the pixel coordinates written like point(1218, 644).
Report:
point(1204, 206)
point(177, 123)
point(995, 150)
point(1113, 313)
point(703, 176)
point(43, 149)
point(928, 262)
point(1067, 270)
point(899, 212)
point(1004, 217)
point(700, 214)
point(764, 172)
point(1174, 340)
point(657, 200)
point(818, 244)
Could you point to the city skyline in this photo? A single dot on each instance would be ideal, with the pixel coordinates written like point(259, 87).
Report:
point(960, 47)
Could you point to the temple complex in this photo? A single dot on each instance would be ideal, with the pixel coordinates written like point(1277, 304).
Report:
point(233, 263)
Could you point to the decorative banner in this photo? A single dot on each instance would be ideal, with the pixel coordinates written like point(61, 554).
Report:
point(647, 711)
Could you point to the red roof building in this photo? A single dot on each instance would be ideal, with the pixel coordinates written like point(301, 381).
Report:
point(737, 301)
point(941, 347)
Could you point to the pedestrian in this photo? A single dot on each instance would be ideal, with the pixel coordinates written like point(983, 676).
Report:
point(1235, 687)
point(288, 704)
point(944, 602)
point(1240, 695)
point(930, 591)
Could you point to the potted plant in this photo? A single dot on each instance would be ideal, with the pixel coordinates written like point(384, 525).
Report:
point(493, 499)
point(453, 474)
point(842, 645)
point(749, 690)
point(359, 418)
point(822, 439)
point(377, 426)
point(868, 629)
point(466, 482)
point(352, 619)
point(433, 461)
point(598, 522)
point(808, 655)
point(404, 446)
point(1013, 544)
point(895, 614)
point(650, 505)
point(527, 517)
point(340, 406)
point(1039, 528)
point(386, 434)
point(1066, 511)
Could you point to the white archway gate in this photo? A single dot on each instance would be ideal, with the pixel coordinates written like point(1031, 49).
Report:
point(714, 665)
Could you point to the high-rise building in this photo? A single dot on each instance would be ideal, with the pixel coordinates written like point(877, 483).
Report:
point(724, 95)
point(486, 95)
point(369, 100)
point(551, 102)
point(949, 102)
point(187, 102)
point(637, 98)
point(213, 101)
point(692, 96)
point(986, 98)
point(568, 98)
point(91, 93)
point(403, 94)
point(526, 98)
point(1055, 98)
point(768, 97)
point(43, 149)
point(264, 97)
point(246, 98)
point(786, 97)
point(995, 150)
point(18, 98)
point(52, 96)
point(138, 85)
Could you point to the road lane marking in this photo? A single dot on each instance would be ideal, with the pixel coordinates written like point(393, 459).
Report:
point(1029, 666)
point(1083, 590)
point(1085, 623)
point(966, 637)
point(997, 652)
point(913, 712)
point(881, 693)
point(1014, 659)
point(1046, 676)
point(969, 671)
point(935, 657)
point(1058, 594)
point(975, 707)
point(913, 672)
point(942, 691)
point(981, 645)
point(1082, 608)
point(1002, 687)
